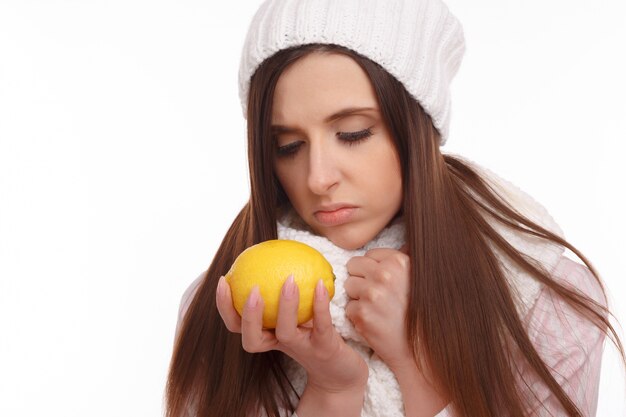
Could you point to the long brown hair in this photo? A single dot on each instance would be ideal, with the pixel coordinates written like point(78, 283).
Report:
point(460, 308)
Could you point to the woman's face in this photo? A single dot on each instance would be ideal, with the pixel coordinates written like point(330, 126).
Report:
point(326, 155)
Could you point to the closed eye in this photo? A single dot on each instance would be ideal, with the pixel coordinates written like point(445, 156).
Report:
point(349, 138)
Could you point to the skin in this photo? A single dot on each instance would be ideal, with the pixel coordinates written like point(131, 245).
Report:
point(325, 169)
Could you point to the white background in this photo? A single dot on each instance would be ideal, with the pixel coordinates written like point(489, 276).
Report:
point(123, 162)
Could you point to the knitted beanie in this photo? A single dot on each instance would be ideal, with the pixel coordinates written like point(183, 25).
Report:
point(419, 42)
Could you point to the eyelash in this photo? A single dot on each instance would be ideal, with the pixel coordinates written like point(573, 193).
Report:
point(350, 138)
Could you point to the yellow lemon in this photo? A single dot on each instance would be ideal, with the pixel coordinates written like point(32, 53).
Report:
point(268, 264)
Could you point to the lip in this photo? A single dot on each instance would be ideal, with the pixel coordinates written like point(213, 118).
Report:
point(335, 217)
point(333, 207)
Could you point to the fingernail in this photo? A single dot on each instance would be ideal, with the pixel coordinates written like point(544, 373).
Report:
point(320, 290)
point(220, 287)
point(253, 299)
point(289, 288)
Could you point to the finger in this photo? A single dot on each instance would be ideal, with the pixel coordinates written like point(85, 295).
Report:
point(225, 307)
point(253, 337)
point(361, 266)
point(354, 286)
point(352, 308)
point(381, 254)
point(322, 322)
point(287, 319)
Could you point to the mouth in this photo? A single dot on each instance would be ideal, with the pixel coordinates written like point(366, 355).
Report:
point(335, 217)
point(333, 207)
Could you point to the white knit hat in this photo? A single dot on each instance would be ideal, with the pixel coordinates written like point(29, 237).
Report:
point(419, 42)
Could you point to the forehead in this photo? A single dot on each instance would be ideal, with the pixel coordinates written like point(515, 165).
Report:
point(318, 85)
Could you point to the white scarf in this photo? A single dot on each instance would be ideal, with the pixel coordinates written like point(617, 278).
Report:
point(382, 394)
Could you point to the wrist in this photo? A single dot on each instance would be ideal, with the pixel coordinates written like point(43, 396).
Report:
point(352, 376)
point(420, 395)
point(401, 368)
point(320, 402)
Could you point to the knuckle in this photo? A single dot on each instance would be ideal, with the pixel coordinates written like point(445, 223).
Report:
point(352, 311)
point(384, 276)
point(247, 346)
point(357, 322)
point(349, 308)
point(247, 321)
point(349, 264)
point(402, 259)
point(247, 317)
point(323, 328)
point(284, 337)
point(347, 285)
point(373, 295)
point(321, 315)
point(230, 327)
point(358, 327)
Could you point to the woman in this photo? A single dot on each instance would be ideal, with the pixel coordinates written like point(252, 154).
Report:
point(453, 296)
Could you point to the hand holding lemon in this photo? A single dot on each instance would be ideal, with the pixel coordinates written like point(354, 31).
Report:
point(255, 294)
point(268, 265)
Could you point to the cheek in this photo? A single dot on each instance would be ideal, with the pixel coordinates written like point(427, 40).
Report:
point(290, 180)
point(383, 172)
point(283, 173)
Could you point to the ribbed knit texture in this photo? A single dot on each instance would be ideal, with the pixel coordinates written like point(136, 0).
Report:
point(419, 42)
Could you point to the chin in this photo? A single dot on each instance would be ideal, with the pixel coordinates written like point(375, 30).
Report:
point(349, 241)
point(348, 245)
point(350, 236)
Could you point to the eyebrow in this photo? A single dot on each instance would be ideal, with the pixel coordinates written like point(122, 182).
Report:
point(348, 111)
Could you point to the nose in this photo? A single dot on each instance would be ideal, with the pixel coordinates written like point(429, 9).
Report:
point(323, 169)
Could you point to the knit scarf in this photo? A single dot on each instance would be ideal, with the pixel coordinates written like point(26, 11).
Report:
point(383, 397)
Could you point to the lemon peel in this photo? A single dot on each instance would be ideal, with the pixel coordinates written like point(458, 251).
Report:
point(268, 264)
